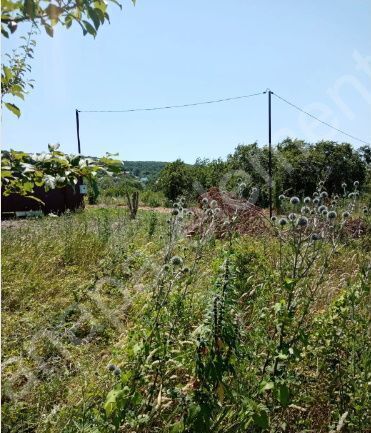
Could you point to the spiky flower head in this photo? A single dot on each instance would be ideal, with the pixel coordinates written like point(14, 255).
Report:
point(321, 183)
point(305, 210)
point(292, 216)
point(322, 208)
point(281, 197)
point(307, 200)
point(302, 221)
point(175, 205)
point(117, 372)
point(209, 212)
point(274, 218)
point(294, 200)
point(356, 183)
point(315, 194)
point(111, 367)
point(213, 204)
point(346, 214)
point(323, 194)
point(176, 261)
point(331, 215)
point(174, 212)
point(282, 221)
point(205, 201)
point(351, 195)
point(217, 211)
point(343, 185)
point(185, 270)
point(315, 237)
point(316, 200)
point(325, 212)
point(365, 210)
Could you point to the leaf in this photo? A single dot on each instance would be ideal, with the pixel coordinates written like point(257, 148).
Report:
point(49, 30)
point(261, 419)
point(89, 28)
point(282, 393)
point(268, 386)
point(13, 108)
point(111, 401)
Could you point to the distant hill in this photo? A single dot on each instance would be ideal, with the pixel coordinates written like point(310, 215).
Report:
point(149, 169)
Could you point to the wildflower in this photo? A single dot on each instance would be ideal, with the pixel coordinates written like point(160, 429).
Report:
point(315, 237)
point(356, 183)
point(294, 200)
point(165, 268)
point(242, 186)
point(336, 197)
point(305, 209)
point(323, 194)
point(274, 218)
point(315, 194)
point(111, 367)
point(365, 210)
point(282, 222)
point(176, 261)
point(117, 371)
point(185, 270)
point(356, 193)
point(205, 201)
point(254, 189)
point(312, 212)
point(281, 197)
point(175, 212)
point(316, 201)
point(213, 204)
point(346, 214)
point(331, 215)
point(322, 208)
point(175, 205)
point(343, 185)
point(217, 211)
point(209, 212)
point(292, 216)
point(302, 221)
point(351, 195)
point(307, 200)
point(325, 212)
point(321, 183)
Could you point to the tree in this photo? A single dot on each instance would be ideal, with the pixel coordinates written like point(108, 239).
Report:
point(175, 179)
point(88, 14)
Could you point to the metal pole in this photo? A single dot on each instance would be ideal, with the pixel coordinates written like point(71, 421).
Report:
point(270, 151)
point(78, 131)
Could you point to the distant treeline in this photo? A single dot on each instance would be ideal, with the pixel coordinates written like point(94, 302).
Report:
point(297, 166)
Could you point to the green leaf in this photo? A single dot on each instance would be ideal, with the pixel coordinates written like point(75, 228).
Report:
point(89, 28)
point(49, 30)
point(13, 108)
point(261, 419)
point(282, 393)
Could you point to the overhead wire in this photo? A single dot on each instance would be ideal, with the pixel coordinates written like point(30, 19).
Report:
point(319, 120)
point(233, 98)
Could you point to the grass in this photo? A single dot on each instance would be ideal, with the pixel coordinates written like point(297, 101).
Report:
point(194, 344)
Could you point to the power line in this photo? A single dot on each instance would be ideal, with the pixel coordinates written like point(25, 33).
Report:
point(169, 107)
point(319, 120)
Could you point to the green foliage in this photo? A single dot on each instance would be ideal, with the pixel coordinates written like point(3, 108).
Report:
point(89, 15)
point(22, 172)
point(139, 327)
point(175, 179)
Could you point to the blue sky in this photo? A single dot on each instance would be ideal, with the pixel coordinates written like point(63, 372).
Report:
point(173, 52)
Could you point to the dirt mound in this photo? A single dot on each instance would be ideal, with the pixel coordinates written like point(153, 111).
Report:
point(225, 212)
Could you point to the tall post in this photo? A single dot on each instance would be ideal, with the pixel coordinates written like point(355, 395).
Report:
point(78, 131)
point(270, 151)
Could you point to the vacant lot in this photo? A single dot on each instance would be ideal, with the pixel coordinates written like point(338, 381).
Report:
point(113, 324)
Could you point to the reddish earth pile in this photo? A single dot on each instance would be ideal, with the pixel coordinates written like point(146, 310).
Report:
point(236, 213)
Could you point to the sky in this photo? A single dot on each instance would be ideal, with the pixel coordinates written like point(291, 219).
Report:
point(314, 53)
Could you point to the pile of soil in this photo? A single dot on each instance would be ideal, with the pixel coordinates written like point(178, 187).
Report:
point(229, 213)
